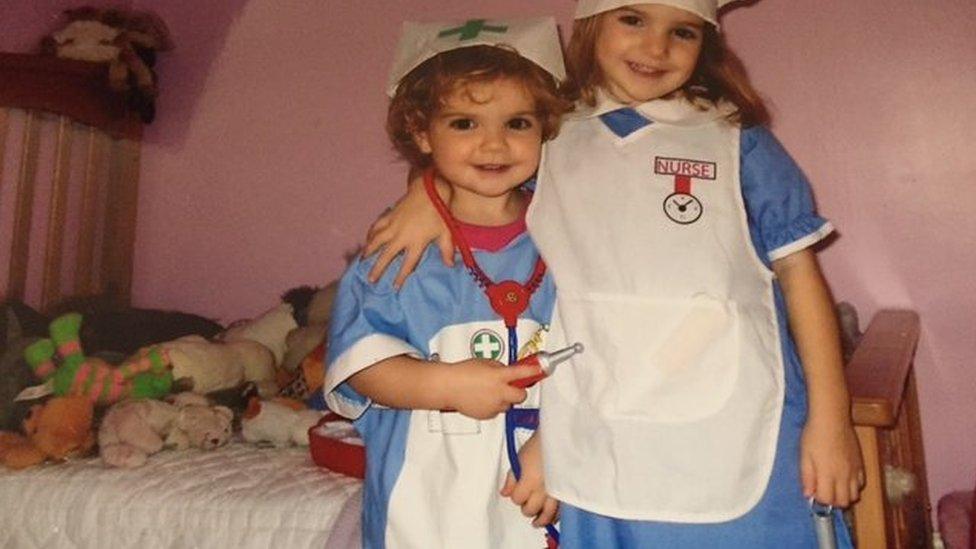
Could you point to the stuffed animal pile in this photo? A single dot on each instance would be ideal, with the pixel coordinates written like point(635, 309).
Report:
point(150, 386)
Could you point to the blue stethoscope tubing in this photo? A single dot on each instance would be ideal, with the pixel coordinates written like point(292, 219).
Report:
point(513, 459)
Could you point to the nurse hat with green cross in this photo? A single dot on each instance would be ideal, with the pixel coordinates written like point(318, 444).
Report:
point(706, 9)
point(535, 39)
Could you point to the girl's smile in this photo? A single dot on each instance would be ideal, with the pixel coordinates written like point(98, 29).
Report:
point(647, 51)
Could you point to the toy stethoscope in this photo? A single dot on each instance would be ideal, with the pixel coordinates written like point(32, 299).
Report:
point(509, 299)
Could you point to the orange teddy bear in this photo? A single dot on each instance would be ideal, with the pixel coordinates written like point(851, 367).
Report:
point(56, 430)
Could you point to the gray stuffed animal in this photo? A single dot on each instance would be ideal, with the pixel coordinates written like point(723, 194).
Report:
point(19, 327)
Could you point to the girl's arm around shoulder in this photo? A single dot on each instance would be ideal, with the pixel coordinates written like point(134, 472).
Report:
point(405, 230)
point(830, 460)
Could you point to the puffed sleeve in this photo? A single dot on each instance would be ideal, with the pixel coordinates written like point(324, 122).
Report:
point(367, 325)
point(778, 200)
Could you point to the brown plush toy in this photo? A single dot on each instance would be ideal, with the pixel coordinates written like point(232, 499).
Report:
point(59, 429)
point(126, 40)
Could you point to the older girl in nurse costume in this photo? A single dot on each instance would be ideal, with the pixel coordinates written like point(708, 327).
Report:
point(678, 232)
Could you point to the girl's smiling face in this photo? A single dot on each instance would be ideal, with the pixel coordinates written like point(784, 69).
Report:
point(647, 51)
point(486, 139)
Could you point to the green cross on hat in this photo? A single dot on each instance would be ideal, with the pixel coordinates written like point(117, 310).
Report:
point(471, 29)
point(535, 39)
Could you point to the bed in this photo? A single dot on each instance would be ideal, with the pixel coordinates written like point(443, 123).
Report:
point(69, 174)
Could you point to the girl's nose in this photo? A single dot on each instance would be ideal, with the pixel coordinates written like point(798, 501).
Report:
point(494, 140)
point(655, 44)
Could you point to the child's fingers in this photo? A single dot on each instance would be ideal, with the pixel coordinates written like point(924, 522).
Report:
point(825, 492)
point(509, 485)
point(519, 371)
point(548, 514)
point(381, 223)
point(842, 494)
point(533, 505)
point(410, 259)
point(808, 476)
point(513, 395)
point(855, 488)
point(446, 246)
point(383, 261)
point(520, 493)
point(376, 237)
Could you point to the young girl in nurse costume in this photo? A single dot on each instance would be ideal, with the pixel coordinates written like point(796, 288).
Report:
point(419, 368)
point(710, 406)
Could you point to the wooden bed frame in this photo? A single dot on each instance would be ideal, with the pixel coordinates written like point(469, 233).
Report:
point(881, 378)
point(69, 101)
point(885, 403)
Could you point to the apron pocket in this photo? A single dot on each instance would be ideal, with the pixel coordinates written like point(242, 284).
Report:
point(654, 359)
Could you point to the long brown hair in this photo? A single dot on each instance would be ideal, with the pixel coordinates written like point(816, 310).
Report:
point(719, 75)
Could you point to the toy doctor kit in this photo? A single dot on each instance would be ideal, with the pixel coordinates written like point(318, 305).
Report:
point(547, 362)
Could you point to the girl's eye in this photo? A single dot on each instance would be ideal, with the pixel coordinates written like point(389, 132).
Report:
point(520, 124)
point(630, 20)
point(686, 34)
point(461, 124)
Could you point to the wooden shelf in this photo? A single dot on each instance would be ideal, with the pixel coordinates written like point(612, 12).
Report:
point(76, 89)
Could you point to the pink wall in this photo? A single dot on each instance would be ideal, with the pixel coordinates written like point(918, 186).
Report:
point(269, 160)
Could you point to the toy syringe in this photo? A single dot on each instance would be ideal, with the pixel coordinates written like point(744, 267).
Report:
point(547, 362)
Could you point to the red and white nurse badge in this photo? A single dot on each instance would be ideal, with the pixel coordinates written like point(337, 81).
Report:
point(681, 206)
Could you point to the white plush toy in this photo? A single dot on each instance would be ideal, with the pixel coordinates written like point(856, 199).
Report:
point(278, 423)
point(270, 329)
point(212, 366)
point(132, 430)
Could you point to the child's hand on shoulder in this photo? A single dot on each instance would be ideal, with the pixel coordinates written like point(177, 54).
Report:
point(830, 462)
point(479, 388)
point(529, 492)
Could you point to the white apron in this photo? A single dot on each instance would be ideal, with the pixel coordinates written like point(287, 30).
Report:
point(457, 465)
point(672, 411)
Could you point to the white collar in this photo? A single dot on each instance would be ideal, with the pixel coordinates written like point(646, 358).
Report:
point(677, 112)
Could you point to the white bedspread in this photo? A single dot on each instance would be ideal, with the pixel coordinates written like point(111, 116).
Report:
point(237, 496)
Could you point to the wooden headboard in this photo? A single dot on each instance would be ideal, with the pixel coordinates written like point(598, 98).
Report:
point(69, 175)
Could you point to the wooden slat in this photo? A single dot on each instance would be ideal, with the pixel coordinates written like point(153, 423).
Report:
point(57, 212)
point(877, 373)
point(4, 115)
point(23, 209)
point(118, 248)
point(98, 145)
point(869, 514)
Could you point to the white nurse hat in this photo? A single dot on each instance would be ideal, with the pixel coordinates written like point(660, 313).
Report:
point(535, 39)
point(706, 9)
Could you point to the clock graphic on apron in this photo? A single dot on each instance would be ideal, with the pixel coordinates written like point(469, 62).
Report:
point(681, 206)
